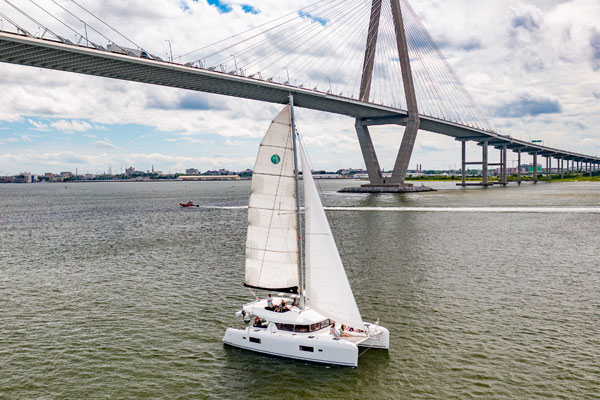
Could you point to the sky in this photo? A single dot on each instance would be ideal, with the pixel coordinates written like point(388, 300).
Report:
point(533, 67)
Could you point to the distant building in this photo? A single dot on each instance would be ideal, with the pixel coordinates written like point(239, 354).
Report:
point(208, 178)
point(130, 171)
point(192, 171)
point(66, 174)
point(219, 172)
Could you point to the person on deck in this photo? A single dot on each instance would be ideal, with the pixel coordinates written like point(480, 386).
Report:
point(270, 305)
point(283, 307)
point(334, 332)
point(344, 328)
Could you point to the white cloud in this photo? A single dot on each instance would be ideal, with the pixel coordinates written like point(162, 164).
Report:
point(38, 126)
point(12, 140)
point(105, 144)
point(71, 126)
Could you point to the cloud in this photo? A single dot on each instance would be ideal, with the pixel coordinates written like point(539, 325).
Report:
point(12, 140)
point(185, 140)
point(38, 126)
point(595, 45)
point(71, 126)
point(105, 144)
point(526, 21)
point(528, 104)
point(26, 138)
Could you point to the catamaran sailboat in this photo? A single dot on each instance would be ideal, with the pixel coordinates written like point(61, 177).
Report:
point(318, 319)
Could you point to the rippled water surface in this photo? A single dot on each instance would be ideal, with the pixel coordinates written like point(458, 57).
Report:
point(110, 290)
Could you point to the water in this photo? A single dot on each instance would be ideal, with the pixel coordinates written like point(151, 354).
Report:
point(110, 290)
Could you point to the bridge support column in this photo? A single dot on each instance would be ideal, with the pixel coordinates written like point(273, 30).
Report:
point(549, 168)
point(504, 166)
point(562, 171)
point(412, 125)
point(484, 167)
point(519, 166)
point(464, 162)
point(535, 177)
point(368, 152)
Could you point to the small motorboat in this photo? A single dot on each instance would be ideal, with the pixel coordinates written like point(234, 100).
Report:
point(188, 204)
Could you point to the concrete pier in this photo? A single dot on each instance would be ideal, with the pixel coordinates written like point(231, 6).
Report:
point(392, 188)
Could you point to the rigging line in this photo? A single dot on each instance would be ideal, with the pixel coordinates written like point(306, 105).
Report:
point(391, 52)
point(258, 34)
point(298, 27)
point(251, 29)
point(427, 85)
point(371, 50)
point(57, 19)
point(354, 57)
point(332, 36)
point(297, 30)
point(17, 26)
point(414, 38)
point(338, 28)
point(34, 21)
point(420, 36)
point(82, 21)
point(477, 114)
point(118, 33)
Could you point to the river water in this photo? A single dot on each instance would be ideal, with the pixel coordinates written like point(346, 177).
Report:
point(111, 290)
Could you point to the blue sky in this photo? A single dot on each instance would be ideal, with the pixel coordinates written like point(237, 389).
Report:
point(532, 66)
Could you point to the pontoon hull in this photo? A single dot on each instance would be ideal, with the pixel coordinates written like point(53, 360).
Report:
point(325, 350)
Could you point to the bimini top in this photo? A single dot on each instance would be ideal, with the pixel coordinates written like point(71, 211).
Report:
point(295, 316)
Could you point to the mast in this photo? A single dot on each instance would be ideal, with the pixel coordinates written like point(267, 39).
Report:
point(298, 216)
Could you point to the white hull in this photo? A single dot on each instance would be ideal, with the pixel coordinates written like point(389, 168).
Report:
point(318, 347)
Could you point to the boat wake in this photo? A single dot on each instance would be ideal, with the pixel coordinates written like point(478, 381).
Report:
point(523, 210)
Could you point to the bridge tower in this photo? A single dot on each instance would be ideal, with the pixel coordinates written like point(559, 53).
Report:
point(376, 178)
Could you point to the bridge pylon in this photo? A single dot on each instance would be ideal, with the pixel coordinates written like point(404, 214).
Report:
point(411, 122)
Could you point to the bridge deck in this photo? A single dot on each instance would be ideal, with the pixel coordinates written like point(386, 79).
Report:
point(42, 53)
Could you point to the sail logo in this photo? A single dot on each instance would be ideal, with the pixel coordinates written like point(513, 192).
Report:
point(275, 159)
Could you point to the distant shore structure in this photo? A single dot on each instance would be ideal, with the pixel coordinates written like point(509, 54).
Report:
point(208, 178)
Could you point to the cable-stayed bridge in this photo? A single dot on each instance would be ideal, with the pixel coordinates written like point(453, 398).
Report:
point(372, 60)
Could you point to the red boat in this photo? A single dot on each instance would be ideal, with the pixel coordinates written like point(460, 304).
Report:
point(188, 204)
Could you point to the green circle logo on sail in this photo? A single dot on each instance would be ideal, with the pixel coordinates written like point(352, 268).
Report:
point(275, 159)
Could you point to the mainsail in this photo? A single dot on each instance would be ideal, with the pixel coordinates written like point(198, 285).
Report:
point(327, 288)
point(272, 240)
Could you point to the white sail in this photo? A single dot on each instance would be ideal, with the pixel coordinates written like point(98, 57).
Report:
point(272, 240)
point(327, 288)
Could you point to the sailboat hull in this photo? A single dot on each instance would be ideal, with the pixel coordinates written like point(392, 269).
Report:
point(300, 346)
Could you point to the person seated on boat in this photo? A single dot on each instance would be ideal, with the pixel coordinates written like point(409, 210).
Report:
point(283, 307)
point(295, 302)
point(344, 334)
point(334, 332)
point(270, 305)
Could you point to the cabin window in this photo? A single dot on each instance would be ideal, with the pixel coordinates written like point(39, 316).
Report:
point(307, 348)
point(324, 324)
point(301, 328)
point(315, 327)
point(254, 340)
point(285, 327)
